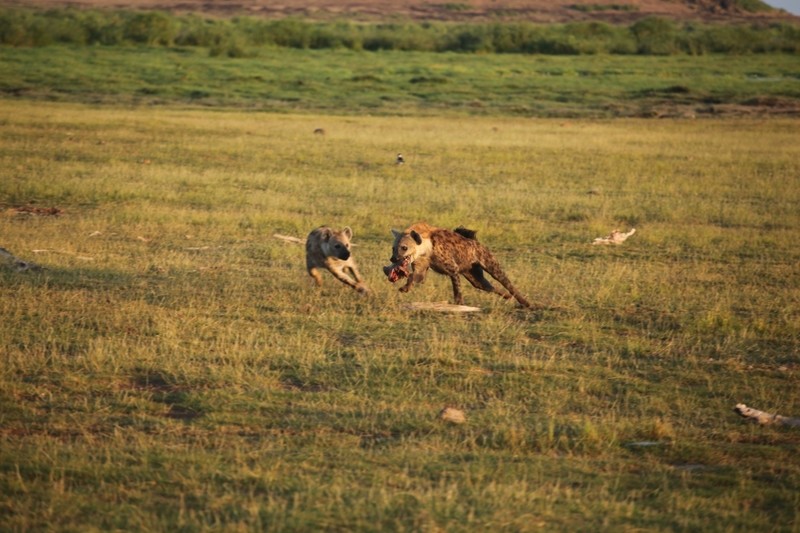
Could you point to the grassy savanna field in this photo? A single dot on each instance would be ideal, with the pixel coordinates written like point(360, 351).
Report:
point(173, 369)
point(407, 83)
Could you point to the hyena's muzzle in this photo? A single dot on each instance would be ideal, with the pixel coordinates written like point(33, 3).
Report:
point(342, 253)
point(336, 247)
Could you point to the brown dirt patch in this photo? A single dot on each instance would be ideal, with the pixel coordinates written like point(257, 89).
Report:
point(37, 211)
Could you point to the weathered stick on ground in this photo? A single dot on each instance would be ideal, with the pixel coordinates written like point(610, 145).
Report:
point(441, 307)
point(766, 418)
point(616, 237)
point(289, 238)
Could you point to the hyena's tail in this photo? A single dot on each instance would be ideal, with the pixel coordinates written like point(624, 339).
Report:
point(468, 233)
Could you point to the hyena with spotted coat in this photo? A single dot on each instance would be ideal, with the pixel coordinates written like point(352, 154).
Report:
point(330, 249)
point(452, 253)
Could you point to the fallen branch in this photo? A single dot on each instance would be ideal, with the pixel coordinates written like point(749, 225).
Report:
point(289, 238)
point(297, 240)
point(615, 237)
point(76, 256)
point(441, 307)
point(765, 418)
point(16, 263)
point(202, 248)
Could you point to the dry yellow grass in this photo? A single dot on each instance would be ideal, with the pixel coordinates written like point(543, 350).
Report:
point(173, 367)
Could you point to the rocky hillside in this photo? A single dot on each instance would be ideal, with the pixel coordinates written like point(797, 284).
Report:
point(541, 11)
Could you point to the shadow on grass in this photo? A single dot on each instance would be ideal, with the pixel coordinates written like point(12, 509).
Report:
point(165, 390)
point(67, 278)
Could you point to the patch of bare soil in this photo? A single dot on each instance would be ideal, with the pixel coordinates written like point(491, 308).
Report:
point(766, 106)
point(541, 11)
point(33, 210)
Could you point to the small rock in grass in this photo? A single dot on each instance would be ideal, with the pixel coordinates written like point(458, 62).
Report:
point(452, 415)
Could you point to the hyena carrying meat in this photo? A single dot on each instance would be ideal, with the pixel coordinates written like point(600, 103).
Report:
point(330, 249)
point(451, 253)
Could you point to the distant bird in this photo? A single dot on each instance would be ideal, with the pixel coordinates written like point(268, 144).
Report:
point(400, 159)
point(319, 131)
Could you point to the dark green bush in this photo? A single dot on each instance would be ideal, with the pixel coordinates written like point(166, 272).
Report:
point(655, 36)
point(195, 31)
point(152, 28)
point(242, 35)
point(471, 39)
point(752, 6)
point(14, 28)
point(290, 33)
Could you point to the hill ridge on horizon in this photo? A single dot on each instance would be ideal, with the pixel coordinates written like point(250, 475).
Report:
point(538, 11)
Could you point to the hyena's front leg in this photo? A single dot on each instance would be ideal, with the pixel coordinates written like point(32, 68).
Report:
point(355, 273)
point(450, 268)
point(338, 271)
point(458, 298)
point(314, 273)
point(418, 276)
point(360, 286)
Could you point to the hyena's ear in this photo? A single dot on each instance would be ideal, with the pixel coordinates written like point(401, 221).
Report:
point(348, 232)
point(396, 233)
point(416, 236)
point(326, 234)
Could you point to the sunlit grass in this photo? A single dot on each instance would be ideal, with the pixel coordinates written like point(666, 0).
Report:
point(173, 368)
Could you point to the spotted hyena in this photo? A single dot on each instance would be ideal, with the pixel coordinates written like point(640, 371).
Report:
point(451, 253)
point(330, 249)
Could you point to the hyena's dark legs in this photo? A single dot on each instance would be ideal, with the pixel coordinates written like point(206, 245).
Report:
point(457, 296)
point(416, 277)
point(475, 276)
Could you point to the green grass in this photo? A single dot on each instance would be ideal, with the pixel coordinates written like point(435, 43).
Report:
point(173, 368)
point(242, 36)
point(403, 83)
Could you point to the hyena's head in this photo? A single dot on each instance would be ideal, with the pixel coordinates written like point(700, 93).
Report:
point(407, 246)
point(337, 243)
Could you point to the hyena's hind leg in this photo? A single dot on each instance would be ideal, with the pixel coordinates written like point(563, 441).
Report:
point(478, 280)
point(497, 273)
